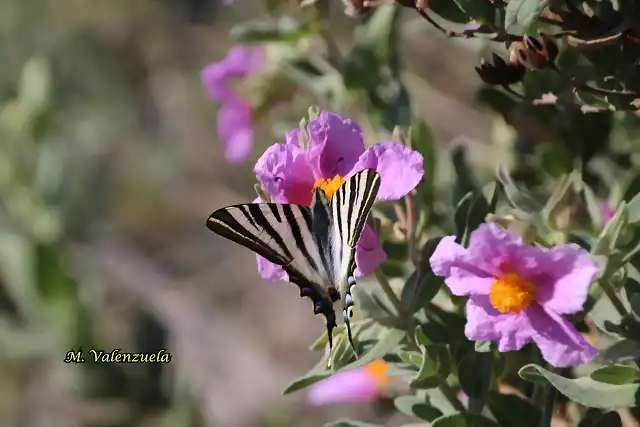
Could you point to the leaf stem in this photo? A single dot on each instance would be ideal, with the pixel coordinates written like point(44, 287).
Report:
point(391, 295)
point(547, 410)
point(613, 297)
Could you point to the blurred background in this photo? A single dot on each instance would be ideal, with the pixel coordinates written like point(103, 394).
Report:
point(109, 166)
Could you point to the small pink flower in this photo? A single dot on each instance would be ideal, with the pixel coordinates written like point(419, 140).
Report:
point(235, 122)
point(518, 293)
point(606, 212)
point(360, 385)
point(335, 152)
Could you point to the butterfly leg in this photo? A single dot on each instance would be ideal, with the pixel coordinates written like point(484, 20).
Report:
point(347, 313)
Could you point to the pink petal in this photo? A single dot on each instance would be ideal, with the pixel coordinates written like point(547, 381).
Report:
point(235, 129)
point(335, 143)
point(559, 341)
point(292, 137)
point(214, 80)
point(462, 276)
point(498, 251)
point(512, 331)
point(563, 278)
point(239, 61)
point(356, 386)
point(400, 168)
point(270, 271)
point(369, 253)
point(284, 172)
point(606, 212)
point(243, 59)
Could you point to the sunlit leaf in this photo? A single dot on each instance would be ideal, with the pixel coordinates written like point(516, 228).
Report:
point(585, 390)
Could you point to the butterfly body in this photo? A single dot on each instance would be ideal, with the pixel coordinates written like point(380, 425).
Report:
point(315, 245)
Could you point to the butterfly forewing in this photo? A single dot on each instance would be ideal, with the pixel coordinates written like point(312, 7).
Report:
point(350, 207)
point(278, 232)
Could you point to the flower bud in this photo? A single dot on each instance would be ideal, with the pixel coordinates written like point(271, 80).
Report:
point(399, 136)
point(262, 193)
point(500, 72)
point(572, 206)
point(536, 53)
point(303, 138)
point(517, 222)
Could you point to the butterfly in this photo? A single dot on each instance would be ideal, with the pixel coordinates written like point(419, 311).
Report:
point(315, 245)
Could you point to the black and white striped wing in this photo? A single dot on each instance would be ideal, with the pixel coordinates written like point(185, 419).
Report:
point(278, 232)
point(281, 233)
point(350, 207)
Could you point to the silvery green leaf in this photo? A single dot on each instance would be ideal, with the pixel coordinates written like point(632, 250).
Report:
point(585, 390)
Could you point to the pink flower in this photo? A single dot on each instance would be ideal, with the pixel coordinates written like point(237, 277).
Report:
point(335, 152)
point(518, 293)
point(360, 385)
point(235, 123)
point(606, 212)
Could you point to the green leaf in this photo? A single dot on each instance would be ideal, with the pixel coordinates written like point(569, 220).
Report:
point(373, 66)
point(633, 210)
point(422, 140)
point(482, 346)
point(617, 374)
point(512, 410)
point(523, 13)
point(421, 286)
point(465, 180)
point(304, 382)
point(418, 406)
point(585, 390)
point(323, 339)
point(463, 420)
point(342, 352)
point(435, 366)
point(608, 238)
point(610, 419)
point(435, 361)
point(412, 358)
point(260, 32)
point(474, 374)
point(420, 337)
point(518, 198)
point(460, 219)
point(623, 351)
point(350, 423)
point(449, 10)
point(34, 91)
point(482, 11)
point(388, 340)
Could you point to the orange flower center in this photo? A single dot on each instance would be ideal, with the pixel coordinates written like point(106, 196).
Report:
point(329, 186)
point(510, 294)
point(378, 371)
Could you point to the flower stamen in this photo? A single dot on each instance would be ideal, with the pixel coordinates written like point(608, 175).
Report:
point(329, 186)
point(378, 371)
point(510, 294)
